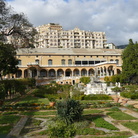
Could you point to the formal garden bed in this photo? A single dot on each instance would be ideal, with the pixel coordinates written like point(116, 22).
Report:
point(93, 122)
point(41, 115)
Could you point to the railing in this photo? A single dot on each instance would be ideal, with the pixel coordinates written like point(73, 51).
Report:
point(28, 64)
point(72, 65)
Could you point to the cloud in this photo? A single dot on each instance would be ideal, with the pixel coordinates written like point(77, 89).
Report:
point(117, 18)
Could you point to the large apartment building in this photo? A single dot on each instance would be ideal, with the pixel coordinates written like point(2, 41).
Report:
point(53, 36)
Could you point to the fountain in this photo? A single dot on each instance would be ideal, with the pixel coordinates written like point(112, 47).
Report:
point(97, 87)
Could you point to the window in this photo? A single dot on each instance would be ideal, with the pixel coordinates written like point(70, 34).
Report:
point(36, 55)
point(19, 62)
point(91, 62)
point(117, 61)
point(96, 62)
point(50, 62)
point(84, 62)
point(69, 62)
point(77, 62)
point(37, 61)
point(63, 62)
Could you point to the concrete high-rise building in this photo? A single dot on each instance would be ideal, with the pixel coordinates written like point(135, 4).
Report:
point(53, 36)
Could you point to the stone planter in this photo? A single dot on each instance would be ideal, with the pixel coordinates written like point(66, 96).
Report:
point(52, 104)
point(116, 99)
point(124, 101)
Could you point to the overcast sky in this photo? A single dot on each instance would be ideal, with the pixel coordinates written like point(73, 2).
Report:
point(117, 18)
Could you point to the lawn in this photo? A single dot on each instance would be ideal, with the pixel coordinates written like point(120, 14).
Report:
point(4, 130)
point(9, 119)
point(31, 99)
point(131, 125)
point(6, 124)
point(120, 116)
point(39, 113)
point(89, 111)
point(100, 122)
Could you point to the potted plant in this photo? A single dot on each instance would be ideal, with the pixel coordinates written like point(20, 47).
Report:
point(52, 101)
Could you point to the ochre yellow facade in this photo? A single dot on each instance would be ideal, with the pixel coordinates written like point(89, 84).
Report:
point(68, 65)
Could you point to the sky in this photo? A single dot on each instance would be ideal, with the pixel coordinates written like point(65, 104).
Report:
point(117, 18)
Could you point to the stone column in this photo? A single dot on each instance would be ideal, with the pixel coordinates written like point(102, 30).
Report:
point(48, 73)
point(22, 73)
point(87, 73)
point(115, 71)
point(38, 73)
point(56, 74)
point(29, 73)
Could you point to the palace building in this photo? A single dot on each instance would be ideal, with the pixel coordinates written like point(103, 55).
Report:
point(67, 65)
point(53, 36)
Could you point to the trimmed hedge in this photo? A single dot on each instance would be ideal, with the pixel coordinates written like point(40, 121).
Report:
point(97, 97)
point(131, 95)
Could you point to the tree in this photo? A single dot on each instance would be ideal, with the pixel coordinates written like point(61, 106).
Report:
point(8, 60)
point(2, 93)
point(130, 62)
point(15, 27)
point(85, 80)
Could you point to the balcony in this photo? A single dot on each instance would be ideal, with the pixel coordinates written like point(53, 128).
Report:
point(33, 65)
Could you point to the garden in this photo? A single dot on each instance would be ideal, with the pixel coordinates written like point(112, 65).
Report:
point(72, 114)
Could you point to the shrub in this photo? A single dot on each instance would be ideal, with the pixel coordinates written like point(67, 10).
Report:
point(108, 104)
point(85, 80)
point(69, 110)
point(61, 130)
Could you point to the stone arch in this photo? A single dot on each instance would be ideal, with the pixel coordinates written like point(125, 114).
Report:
point(19, 74)
point(52, 73)
point(60, 73)
point(76, 72)
point(110, 70)
point(105, 71)
point(101, 71)
point(83, 72)
point(118, 71)
point(91, 72)
point(25, 73)
point(68, 72)
point(32, 72)
point(43, 73)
